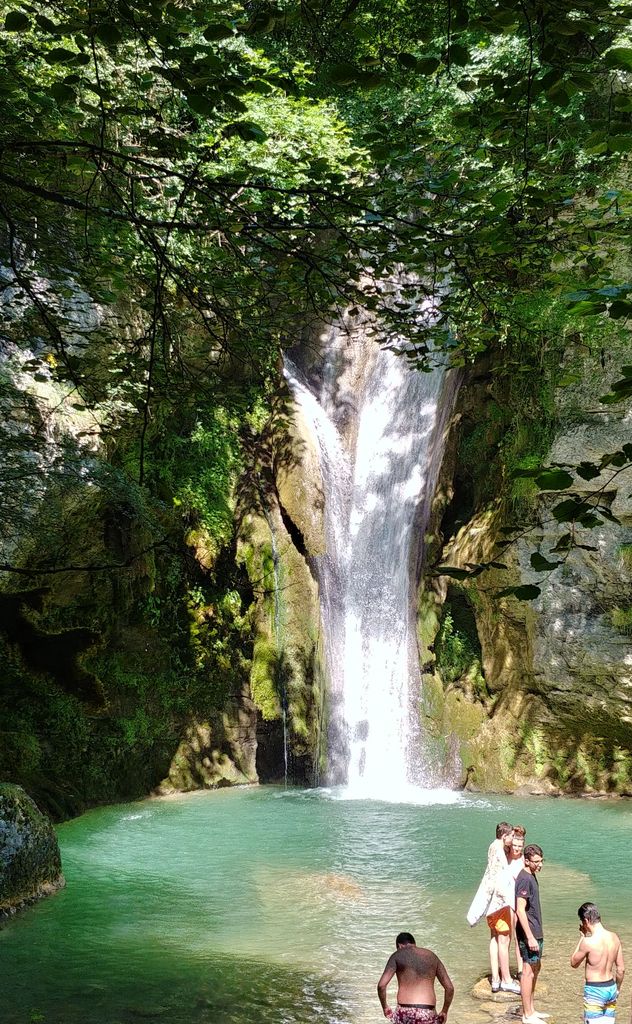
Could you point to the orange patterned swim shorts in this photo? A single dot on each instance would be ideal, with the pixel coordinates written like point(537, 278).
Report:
point(500, 921)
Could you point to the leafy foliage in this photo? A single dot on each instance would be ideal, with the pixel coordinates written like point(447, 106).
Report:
point(233, 174)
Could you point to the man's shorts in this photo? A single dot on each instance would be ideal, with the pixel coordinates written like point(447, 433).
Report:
point(600, 1001)
point(529, 955)
point(414, 1015)
point(500, 921)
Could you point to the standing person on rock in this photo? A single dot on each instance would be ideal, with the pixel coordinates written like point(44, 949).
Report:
point(602, 955)
point(516, 865)
point(494, 900)
point(529, 930)
point(417, 970)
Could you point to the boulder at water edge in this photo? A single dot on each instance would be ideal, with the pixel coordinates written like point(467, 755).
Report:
point(30, 863)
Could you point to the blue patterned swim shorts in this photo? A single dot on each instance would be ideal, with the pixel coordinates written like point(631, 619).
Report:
point(600, 1001)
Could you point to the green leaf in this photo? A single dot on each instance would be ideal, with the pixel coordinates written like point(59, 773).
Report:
point(541, 564)
point(260, 86)
point(46, 24)
point(527, 592)
point(621, 390)
point(619, 58)
point(60, 55)
point(62, 93)
point(15, 21)
point(246, 130)
point(569, 510)
point(620, 309)
point(203, 103)
point(554, 480)
point(427, 65)
point(407, 60)
point(620, 143)
point(370, 79)
point(458, 55)
point(215, 33)
point(262, 22)
point(586, 308)
point(343, 73)
point(109, 33)
point(559, 94)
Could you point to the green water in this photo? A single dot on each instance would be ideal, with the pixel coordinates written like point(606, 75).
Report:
point(265, 905)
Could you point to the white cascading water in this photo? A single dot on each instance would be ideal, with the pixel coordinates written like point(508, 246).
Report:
point(377, 427)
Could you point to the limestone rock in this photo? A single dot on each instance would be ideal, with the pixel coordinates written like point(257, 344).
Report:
point(482, 990)
point(556, 712)
point(300, 486)
point(30, 862)
point(217, 754)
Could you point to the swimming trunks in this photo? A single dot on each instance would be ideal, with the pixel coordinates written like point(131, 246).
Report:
point(600, 1000)
point(529, 955)
point(500, 921)
point(404, 1014)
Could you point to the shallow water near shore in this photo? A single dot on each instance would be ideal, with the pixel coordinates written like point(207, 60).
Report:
point(270, 905)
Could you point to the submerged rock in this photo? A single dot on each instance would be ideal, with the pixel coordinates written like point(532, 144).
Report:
point(30, 862)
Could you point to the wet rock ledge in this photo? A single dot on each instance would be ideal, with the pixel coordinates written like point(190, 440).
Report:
point(30, 862)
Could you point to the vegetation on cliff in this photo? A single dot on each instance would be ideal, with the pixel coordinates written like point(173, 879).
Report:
point(187, 188)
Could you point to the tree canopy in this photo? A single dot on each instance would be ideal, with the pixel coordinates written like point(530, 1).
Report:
point(218, 177)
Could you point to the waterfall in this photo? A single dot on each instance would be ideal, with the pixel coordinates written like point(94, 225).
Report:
point(376, 424)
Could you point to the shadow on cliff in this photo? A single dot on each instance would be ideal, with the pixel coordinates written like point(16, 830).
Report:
point(54, 654)
point(577, 753)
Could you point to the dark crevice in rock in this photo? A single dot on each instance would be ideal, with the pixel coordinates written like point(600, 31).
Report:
point(295, 534)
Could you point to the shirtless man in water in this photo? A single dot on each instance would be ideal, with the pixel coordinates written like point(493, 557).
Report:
point(601, 953)
point(416, 969)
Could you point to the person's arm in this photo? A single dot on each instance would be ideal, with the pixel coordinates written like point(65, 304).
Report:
point(580, 953)
point(521, 913)
point(448, 992)
point(382, 984)
point(619, 968)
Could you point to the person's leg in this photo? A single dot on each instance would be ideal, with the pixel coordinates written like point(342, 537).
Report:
point(504, 941)
point(516, 946)
point(536, 971)
point(527, 983)
point(493, 957)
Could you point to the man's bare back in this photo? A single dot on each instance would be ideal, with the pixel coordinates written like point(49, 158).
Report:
point(417, 969)
point(602, 955)
point(600, 951)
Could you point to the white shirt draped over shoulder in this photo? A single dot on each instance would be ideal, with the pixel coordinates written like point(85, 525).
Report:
point(497, 888)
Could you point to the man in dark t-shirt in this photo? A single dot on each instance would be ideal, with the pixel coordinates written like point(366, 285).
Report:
point(529, 930)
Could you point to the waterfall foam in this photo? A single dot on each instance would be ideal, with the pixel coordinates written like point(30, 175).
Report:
point(374, 419)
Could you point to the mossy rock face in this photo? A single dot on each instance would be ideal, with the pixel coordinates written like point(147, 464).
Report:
point(285, 672)
point(30, 862)
point(215, 754)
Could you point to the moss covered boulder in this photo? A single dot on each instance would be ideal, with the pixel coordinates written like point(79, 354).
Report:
point(30, 862)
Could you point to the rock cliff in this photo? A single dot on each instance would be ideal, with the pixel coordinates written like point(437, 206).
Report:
point(539, 693)
point(30, 863)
